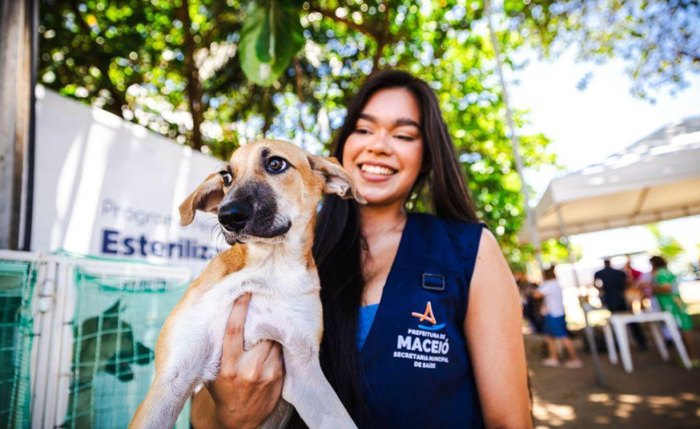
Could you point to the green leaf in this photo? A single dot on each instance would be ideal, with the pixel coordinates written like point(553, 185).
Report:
point(271, 36)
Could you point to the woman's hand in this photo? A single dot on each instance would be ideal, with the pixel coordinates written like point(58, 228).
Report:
point(249, 383)
point(662, 288)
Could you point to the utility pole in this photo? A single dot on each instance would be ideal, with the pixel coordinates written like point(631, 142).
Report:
point(17, 47)
point(530, 215)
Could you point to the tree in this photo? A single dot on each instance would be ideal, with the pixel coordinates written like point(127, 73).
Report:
point(176, 67)
point(666, 246)
point(658, 40)
point(139, 59)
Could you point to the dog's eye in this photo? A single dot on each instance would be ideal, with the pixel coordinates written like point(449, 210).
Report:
point(276, 165)
point(228, 178)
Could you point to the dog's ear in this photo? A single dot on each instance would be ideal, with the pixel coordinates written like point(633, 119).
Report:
point(336, 179)
point(206, 197)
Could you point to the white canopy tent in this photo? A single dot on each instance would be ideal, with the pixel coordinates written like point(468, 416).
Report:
point(655, 179)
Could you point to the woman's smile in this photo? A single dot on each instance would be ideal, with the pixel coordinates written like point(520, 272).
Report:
point(376, 172)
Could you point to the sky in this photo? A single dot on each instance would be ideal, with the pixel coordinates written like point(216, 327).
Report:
point(587, 125)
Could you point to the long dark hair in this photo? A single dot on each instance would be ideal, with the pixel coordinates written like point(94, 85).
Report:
point(658, 262)
point(338, 242)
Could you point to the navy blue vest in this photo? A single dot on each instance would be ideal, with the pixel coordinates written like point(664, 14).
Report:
point(417, 372)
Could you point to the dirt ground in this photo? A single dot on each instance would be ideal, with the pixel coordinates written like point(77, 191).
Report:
point(656, 394)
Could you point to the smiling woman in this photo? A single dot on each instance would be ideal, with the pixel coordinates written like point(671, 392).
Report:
point(428, 359)
point(421, 313)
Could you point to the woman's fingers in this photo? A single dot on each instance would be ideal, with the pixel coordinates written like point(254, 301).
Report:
point(234, 356)
point(249, 383)
point(273, 364)
point(273, 370)
point(233, 337)
point(274, 356)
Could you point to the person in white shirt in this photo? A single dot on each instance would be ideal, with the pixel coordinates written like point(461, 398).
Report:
point(555, 322)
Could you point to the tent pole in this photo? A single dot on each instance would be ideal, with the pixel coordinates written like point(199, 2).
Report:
point(585, 307)
point(530, 215)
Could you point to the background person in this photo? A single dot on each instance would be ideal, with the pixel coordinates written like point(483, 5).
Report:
point(532, 305)
point(635, 289)
point(393, 142)
point(613, 283)
point(555, 322)
point(669, 298)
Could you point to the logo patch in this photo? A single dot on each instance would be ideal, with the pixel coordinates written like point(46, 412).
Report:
point(425, 347)
point(430, 317)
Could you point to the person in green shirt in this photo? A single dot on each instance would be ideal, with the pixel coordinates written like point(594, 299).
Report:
point(668, 295)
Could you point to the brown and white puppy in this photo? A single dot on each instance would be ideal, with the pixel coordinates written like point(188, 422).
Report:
point(266, 200)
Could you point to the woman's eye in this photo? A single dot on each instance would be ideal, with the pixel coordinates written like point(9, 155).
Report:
point(406, 138)
point(228, 178)
point(361, 131)
point(276, 165)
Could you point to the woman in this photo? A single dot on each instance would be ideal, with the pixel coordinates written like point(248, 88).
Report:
point(423, 357)
point(665, 287)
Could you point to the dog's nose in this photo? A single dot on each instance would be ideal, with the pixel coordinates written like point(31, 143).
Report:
point(233, 216)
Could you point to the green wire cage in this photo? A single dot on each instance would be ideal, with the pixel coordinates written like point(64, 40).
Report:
point(16, 287)
point(77, 338)
point(115, 326)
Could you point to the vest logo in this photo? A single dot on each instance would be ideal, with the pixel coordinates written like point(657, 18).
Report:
point(426, 348)
point(430, 317)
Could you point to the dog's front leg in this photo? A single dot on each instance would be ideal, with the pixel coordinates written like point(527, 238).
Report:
point(178, 371)
point(188, 351)
point(307, 389)
point(297, 326)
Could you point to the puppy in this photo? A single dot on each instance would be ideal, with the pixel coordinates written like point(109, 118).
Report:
point(266, 200)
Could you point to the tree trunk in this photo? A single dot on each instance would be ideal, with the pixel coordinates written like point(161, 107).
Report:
point(382, 38)
point(194, 86)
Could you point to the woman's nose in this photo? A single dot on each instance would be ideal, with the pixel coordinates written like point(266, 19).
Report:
point(381, 143)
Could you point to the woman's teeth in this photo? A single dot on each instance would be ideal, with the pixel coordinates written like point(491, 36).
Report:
point(375, 169)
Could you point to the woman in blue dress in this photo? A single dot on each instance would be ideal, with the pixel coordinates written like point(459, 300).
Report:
point(422, 321)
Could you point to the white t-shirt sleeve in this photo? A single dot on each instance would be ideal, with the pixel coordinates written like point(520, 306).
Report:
point(553, 298)
point(546, 287)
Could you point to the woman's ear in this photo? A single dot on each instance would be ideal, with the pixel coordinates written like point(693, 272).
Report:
point(206, 197)
point(335, 179)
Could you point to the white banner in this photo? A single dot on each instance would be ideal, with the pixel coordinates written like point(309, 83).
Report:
point(107, 187)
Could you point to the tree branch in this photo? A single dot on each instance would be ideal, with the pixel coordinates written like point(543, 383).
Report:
point(364, 29)
point(382, 40)
point(267, 111)
point(300, 94)
point(693, 57)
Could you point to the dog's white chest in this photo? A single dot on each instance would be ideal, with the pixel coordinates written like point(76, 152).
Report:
point(285, 307)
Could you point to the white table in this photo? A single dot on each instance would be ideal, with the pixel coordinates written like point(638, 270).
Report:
point(619, 322)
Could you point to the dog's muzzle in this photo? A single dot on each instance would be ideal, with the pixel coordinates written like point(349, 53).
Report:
point(234, 216)
point(252, 213)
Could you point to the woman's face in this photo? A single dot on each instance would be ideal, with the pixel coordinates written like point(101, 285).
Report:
point(384, 154)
